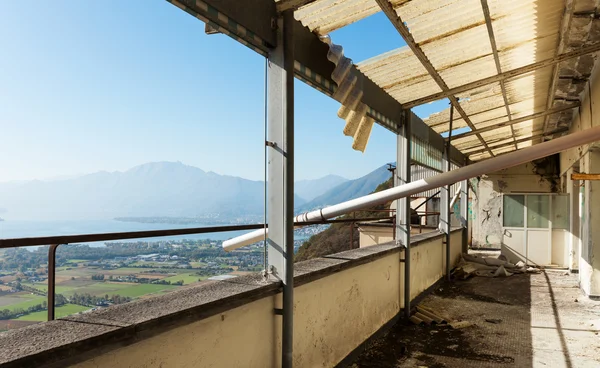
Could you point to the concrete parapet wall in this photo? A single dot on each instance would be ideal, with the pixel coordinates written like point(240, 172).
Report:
point(340, 301)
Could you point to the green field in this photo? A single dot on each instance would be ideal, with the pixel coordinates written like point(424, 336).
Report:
point(25, 303)
point(143, 289)
point(187, 278)
point(44, 287)
point(62, 311)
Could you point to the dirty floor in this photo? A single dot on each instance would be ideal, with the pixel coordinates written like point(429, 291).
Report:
point(538, 320)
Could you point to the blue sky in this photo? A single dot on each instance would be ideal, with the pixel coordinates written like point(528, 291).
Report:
point(107, 85)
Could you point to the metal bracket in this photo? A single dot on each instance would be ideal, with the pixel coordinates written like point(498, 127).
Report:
point(270, 144)
point(278, 311)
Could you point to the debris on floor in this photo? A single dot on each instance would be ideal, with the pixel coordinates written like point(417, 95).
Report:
point(426, 316)
point(460, 324)
point(496, 323)
point(473, 265)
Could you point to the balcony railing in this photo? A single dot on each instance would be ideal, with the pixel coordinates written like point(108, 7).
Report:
point(56, 241)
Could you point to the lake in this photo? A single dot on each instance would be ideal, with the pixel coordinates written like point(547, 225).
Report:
point(24, 229)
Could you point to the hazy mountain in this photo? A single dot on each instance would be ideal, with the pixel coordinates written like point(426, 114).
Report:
point(310, 189)
point(349, 189)
point(159, 189)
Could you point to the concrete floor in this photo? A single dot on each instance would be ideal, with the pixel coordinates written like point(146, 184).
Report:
point(539, 320)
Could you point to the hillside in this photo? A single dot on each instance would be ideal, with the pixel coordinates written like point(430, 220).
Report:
point(349, 189)
point(337, 237)
point(310, 189)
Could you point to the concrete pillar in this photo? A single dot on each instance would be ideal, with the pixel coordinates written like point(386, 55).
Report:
point(574, 244)
point(589, 266)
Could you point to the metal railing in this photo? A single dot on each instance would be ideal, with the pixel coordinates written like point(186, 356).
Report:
point(56, 241)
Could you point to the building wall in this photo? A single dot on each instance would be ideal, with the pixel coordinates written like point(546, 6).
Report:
point(373, 235)
point(333, 315)
point(428, 263)
point(585, 237)
point(241, 337)
point(538, 177)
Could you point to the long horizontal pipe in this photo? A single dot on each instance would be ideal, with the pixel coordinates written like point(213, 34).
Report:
point(494, 164)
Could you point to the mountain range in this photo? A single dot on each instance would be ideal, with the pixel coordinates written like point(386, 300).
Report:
point(165, 189)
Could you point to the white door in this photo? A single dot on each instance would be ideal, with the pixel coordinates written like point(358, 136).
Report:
point(513, 222)
point(537, 228)
point(538, 247)
point(527, 228)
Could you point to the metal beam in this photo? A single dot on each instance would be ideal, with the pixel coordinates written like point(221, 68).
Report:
point(583, 176)
point(403, 213)
point(291, 4)
point(464, 214)
point(445, 203)
point(256, 16)
point(280, 125)
point(585, 50)
point(522, 140)
point(389, 11)
point(540, 114)
point(563, 38)
point(310, 52)
point(490, 28)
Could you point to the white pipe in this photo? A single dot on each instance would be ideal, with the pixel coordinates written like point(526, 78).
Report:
point(494, 164)
point(456, 195)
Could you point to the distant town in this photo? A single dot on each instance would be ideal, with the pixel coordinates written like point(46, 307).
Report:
point(92, 277)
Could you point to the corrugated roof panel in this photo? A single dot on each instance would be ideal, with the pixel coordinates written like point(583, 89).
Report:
point(443, 52)
point(480, 156)
point(422, 17)
point(325, 16)
point(500, 151)
point(524, 145)
point(460, 74)
point(400, 74)
point(454, 37)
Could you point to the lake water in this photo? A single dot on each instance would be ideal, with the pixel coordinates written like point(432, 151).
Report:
point(25, 229)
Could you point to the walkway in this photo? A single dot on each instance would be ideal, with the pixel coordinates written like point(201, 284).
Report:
point(539, 320)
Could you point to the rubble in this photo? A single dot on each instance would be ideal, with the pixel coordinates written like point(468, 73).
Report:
point(472, 265)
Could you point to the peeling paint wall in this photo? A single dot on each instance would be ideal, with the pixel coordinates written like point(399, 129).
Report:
point(585, 240)
point(539, 176)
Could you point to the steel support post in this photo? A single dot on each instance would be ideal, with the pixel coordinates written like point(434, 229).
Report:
point(51, 281)
point(464, 214)
point(402, 176)
point(280, 187)
point(445, 195)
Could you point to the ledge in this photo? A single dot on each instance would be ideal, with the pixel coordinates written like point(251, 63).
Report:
point(80, 337)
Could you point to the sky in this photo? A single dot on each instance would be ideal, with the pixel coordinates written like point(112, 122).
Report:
point(107, 85)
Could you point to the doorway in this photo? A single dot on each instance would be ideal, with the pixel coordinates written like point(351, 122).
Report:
point(535, 228)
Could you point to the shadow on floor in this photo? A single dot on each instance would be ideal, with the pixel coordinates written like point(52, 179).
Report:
point(539, 320)
point(506, 341)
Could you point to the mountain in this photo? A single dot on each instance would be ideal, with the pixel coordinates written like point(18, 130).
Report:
point(349, 190)
point(336, 238)
point(158, 189)
point(310, 189)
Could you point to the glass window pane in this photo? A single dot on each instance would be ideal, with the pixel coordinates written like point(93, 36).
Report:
point(538, 211)
point(513, 211)
point(560, 212)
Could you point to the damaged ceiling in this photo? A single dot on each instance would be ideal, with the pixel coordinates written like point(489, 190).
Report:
point(514, 70)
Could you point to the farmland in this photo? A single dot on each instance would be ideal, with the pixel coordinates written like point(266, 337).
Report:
point(89, 278)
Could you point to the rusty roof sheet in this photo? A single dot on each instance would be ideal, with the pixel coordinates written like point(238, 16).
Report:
point(453, 34)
